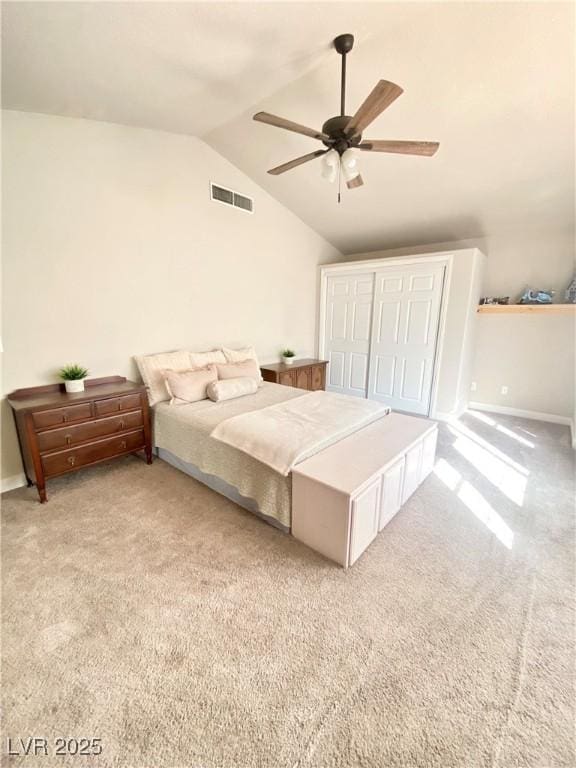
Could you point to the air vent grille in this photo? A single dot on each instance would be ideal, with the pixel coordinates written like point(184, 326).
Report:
point(229, 197)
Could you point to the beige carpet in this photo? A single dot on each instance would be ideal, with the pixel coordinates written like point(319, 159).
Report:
point(141, 608)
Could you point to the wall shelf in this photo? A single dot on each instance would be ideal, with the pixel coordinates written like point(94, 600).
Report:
point(514, 309)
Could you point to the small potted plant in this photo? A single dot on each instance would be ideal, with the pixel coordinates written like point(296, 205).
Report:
point(73, 376)
point(288, 356)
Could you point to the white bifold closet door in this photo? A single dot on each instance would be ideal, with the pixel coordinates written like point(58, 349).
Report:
point(405, 320)
point(347, 332)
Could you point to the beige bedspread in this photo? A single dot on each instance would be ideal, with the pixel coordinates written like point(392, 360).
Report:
point(286, 433)
point(185, 430)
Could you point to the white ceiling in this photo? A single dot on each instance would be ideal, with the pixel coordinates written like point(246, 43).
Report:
point(493, 82)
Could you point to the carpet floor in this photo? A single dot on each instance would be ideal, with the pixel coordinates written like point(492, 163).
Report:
point(142, 609)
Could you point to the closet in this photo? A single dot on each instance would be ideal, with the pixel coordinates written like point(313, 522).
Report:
point(400, 330)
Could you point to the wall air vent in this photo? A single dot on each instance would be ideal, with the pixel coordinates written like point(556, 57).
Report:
point(229, 197)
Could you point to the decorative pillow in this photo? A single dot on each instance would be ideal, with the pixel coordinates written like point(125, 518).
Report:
point(202, 359)
point(227, 389)
point(235, 370)
point(239, 355)
point(190, 385)
point(153, 367)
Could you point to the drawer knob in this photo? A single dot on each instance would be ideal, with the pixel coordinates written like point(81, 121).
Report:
point(68, 439)
point(121, 424)
point(71, 460)
point(123, 444)
point(64, 417)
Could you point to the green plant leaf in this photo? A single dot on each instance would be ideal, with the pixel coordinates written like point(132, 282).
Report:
point(73, 372)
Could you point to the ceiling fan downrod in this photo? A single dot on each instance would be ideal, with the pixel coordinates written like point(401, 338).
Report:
point(343, 44)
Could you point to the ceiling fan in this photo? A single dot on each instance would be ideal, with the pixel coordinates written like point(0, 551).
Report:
point(342, 135)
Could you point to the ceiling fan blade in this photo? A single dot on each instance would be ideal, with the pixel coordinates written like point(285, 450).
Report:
point(357, 181)
point(382, 95)
point(298, 161)
point(426, 148)
point(288, 125)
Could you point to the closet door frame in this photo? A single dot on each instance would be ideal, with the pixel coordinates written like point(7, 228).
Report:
point(374, 265)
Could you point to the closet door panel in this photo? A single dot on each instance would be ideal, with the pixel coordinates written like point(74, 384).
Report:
point(405, 327)
point(348, 332)
point(385, 374)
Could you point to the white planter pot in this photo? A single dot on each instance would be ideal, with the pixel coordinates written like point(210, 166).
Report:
point(287, 360)
point(74, 385)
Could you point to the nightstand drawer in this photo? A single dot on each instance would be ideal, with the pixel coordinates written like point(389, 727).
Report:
point(287, 378)
point(52, 418)
point(62, 438)
point(66, 461)
point(115, 404)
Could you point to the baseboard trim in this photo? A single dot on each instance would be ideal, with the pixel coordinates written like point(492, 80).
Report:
point(553, 418)
point(448, 416)
point(15, 481)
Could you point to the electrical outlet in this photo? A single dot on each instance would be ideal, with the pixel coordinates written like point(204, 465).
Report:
point(504, 390)
point(473, 387)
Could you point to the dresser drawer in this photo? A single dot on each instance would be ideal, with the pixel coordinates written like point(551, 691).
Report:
point(62, 438)
point(52, 418)
point(317, 377)
point(65, 461)
point(287, 378)
point(115, 404)
point(304, 378)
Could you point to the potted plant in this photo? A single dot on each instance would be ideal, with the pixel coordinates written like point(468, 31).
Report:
point(73, 376)
point(288, 356)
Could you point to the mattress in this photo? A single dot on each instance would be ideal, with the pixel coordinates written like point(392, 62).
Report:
point(184, 431)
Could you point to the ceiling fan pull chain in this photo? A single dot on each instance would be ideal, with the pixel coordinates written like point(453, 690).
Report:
point(339, 180)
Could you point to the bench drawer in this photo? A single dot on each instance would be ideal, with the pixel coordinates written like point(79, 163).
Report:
point(412, 471)
point(53, 417)
point(116, 404)
point(72, 435)
point(391, 493)
point(428, 454)
point(66, 461)
point(364, 523)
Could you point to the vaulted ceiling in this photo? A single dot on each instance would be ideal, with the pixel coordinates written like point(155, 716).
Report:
point(491, 81)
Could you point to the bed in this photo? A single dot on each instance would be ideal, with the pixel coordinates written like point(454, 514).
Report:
point(182, 438)
point(246, 447)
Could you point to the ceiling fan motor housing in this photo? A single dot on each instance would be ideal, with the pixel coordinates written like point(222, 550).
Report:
point(334, 128)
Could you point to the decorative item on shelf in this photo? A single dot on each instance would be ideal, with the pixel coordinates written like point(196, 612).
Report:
point(288, 356)
point(536, 297)
point(492, 300)
point(570, 295)
point(73, 376)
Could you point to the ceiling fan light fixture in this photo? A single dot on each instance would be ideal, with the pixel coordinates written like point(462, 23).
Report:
point(349, 161)
point(342, 134)
point(330, 165)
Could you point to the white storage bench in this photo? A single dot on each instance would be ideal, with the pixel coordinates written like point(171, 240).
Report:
point(344, 495)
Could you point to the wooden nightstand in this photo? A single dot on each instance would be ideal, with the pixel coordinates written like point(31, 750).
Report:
point(304, 374)
point(60, 432)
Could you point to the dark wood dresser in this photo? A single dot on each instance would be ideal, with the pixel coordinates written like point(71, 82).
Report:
point(60, 432)
point(305, 374)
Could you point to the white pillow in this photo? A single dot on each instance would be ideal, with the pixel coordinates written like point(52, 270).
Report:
point(189, 386)
point(239, 355)
point(239, 370)
point(227, 389)
point(152, 369)
point(202, 359)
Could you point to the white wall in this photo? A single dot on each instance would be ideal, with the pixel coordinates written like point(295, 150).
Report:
point(532, 355)
point(111, 248)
